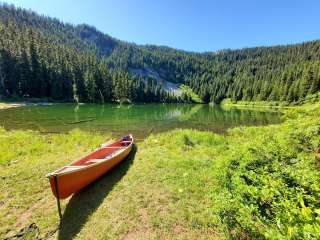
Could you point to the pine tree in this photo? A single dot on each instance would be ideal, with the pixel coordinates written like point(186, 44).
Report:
point(25, 73)
point(34, 83)
point(306, 81)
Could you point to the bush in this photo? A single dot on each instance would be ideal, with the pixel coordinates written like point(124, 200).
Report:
point(273, 180)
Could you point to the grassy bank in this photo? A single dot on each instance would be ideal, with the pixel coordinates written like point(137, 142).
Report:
point(309, 99)
point(193, 97)
point(260, 104)
point(254, 183)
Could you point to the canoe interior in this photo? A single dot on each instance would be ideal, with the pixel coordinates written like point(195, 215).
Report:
point(103, 153)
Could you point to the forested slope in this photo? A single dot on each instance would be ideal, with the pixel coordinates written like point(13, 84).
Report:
point(43, 57)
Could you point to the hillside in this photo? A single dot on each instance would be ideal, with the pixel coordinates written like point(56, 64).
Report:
point(44, 58)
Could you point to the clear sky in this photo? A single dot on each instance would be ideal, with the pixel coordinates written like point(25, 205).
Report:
point(193, 25)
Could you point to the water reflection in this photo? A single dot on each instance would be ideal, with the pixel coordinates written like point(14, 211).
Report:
point(137, 119)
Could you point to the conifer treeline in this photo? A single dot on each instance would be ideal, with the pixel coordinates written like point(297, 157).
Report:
point(42, 57)
point(282, 73)
point(31, 66)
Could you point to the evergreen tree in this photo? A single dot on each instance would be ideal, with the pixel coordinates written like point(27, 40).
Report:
point(43, 57)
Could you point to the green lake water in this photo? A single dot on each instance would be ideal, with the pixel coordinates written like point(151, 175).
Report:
point(140, 119)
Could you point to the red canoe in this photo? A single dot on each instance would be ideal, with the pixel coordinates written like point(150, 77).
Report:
point(73, 177)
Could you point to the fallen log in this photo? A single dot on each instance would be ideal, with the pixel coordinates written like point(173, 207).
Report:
point(82, 121)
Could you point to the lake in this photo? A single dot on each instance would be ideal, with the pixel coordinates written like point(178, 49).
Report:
point(139, 119)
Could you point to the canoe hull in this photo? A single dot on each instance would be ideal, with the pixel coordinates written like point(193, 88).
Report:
point(73, 181)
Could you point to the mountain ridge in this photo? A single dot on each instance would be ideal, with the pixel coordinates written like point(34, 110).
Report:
point(240, 74)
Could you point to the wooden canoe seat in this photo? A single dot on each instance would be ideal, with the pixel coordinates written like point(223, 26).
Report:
point(101, 159)
point(96, 160)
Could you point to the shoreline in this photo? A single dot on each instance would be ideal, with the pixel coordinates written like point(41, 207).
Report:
point(257, 104)
point(5, 105)
point(8, 105)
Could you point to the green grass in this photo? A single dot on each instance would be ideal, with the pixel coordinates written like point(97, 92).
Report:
point(268, 104)
point(309, 99)
point(253, 183)
point(25, 158)
point(190, 93)
point(153, 194)
point(272, 179)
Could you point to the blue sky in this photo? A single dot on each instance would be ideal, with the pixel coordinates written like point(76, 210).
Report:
point(193, 25)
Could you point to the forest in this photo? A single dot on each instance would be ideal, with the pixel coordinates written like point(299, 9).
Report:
point(42, 57)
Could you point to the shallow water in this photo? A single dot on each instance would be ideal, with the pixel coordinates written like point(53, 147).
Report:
point(140, 119)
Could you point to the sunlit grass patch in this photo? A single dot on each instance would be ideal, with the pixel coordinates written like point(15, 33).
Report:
point(25, 158)
point(166, 193)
